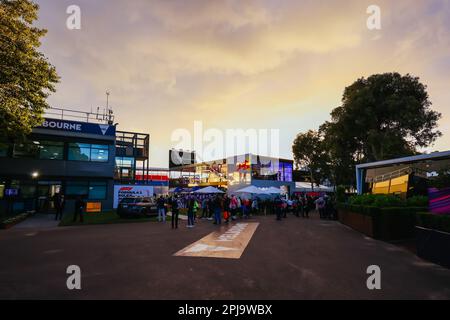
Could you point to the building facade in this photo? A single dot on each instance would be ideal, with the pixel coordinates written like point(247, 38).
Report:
point(77, 154)
point(234, 173)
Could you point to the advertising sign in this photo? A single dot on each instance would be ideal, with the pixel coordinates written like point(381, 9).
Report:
point(127, 191)
point(80, 127)
point(94, 207)
point(178, 158)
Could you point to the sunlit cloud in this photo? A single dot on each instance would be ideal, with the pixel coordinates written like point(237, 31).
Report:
point(239, 64)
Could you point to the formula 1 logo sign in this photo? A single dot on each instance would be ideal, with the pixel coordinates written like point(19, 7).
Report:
point(228, 243)
point(125, 191)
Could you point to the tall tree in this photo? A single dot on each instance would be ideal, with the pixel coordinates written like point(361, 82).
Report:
point(309, 154)
point(384, 116)
point(26, 76)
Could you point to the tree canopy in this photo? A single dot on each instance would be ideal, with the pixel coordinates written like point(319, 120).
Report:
point(381, 117)
point(309, 154)
point(26, 76)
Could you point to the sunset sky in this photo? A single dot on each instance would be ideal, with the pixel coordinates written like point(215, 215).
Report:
point(239, 64)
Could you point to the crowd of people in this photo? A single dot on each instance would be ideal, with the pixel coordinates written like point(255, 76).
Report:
point(224, 208)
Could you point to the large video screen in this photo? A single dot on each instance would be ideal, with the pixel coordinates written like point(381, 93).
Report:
point(178, 158)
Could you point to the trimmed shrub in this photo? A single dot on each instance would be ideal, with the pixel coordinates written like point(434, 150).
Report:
point(391, 223)
point(377, 200)
point(417, 201)
point(340, 194)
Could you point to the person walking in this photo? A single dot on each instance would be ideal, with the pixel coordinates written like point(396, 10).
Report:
point(175, 212)
point(79, 208)
point(161, 205)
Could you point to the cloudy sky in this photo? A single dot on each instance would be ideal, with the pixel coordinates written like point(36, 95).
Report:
point(239, 64)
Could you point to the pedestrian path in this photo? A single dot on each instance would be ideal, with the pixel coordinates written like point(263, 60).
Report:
point(38, 221)
point(181, 216)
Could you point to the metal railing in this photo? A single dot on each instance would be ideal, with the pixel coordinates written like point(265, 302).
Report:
point(106, 116)
point(398, 173)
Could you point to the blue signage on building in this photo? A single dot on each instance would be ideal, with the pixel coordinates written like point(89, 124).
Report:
point(80, 127)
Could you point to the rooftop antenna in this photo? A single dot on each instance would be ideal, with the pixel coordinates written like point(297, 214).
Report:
point(108, 112)
point(107, 99)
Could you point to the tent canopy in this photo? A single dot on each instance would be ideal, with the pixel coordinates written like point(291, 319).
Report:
point(208, 190)
point(252, 190)
point(273, 190)
point(306, 187)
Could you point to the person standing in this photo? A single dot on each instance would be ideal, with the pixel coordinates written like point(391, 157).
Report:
point(191, 213)
point(161, 209)
point(217, 210)
point(233, 207)
point(58, 201)
point(278, 204)
point(79, 208)
point(320, 206)
point(210, 208)
point(175, 212)
point(226, 209)
point(255, 206)
point(204, 208)
point(306, 206)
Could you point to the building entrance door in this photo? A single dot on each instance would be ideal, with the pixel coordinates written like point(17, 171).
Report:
point(46, 192)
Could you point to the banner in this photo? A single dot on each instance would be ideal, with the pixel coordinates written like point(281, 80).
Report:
point(127, 191)
point(81, 127)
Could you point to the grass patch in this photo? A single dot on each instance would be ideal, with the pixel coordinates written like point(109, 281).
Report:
point(105, 217)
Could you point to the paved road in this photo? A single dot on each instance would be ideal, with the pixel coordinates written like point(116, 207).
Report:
point(292, 259)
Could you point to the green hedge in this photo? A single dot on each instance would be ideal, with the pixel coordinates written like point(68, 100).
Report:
point(388, 201)
point(433, 221)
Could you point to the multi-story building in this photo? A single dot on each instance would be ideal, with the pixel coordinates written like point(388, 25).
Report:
point(79, 154)
point(234, 173)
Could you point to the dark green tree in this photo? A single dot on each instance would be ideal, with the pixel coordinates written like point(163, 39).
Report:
point(384, 116)
point(309, 153)
point(26, 77)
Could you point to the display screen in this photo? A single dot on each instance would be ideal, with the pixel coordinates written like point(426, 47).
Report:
point(11, 192)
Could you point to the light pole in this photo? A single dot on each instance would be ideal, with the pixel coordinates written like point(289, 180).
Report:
point(34, 176)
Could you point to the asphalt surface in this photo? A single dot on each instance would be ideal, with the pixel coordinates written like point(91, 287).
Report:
point(292, 259)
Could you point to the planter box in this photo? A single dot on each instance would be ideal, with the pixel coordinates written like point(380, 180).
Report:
point(433, 245)
point(388, 224)
point(7, 225)
point(357, 221)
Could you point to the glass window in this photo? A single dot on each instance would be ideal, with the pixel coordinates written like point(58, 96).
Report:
point(88, 152)
point(79, 152)
point(99, 153)
point(51, 150)
point(124, 162)
point(2, 190)
point(77, 188)
point(97, 190)
point(27, 191)
point(288, 168)
point(3, 149)
point(26, 150)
